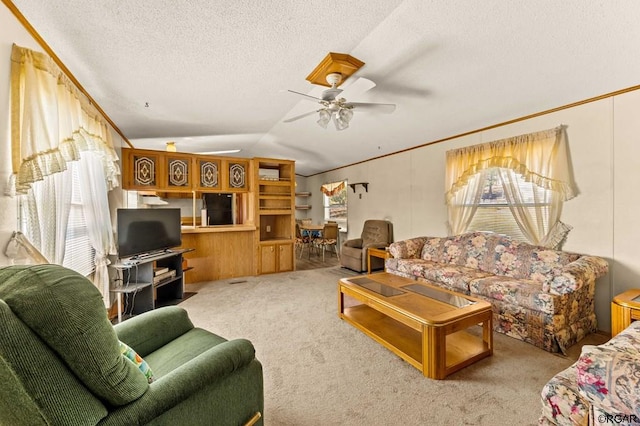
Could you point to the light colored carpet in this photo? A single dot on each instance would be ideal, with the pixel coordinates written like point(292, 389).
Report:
point(319, 370)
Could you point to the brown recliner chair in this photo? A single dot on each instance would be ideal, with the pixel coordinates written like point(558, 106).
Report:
point(375, 233)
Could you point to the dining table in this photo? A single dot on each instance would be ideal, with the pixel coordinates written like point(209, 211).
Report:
point(312, 231)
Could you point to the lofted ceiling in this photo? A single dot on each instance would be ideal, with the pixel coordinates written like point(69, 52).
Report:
point(213, 75)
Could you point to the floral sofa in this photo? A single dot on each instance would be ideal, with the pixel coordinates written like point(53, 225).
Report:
point(602, 387)
point(538, 295)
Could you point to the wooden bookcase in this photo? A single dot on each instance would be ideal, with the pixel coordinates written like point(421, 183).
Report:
point(275, 214)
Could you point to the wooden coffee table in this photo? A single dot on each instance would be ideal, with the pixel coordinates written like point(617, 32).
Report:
point(425, 325)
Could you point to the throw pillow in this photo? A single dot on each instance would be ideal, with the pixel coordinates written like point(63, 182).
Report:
point(133, 356)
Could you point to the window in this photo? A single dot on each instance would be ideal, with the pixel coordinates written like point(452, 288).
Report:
point(335, 202)
point(494, 213)
point(42, 219)
point(528, 174)
point(79, 253)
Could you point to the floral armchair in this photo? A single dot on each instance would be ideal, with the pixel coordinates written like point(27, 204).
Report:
point(602, 387)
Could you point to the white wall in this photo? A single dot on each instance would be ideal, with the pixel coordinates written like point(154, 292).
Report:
point(408, 187)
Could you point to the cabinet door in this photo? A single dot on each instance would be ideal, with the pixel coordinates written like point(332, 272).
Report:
point(237, 175)
point(179, 171)
point(268, 257)
point(143, 170)
point(208, 173)
point(285, 257)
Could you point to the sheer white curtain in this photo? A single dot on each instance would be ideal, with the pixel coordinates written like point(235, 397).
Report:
point(95, 206)
point(52, 125)
point(463, 205)
point(46, 210)
point(541, 158)
point(536, 210)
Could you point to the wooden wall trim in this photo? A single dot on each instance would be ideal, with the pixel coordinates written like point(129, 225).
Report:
point(493, 126)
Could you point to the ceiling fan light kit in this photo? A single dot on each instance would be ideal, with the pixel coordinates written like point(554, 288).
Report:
point(331, 72)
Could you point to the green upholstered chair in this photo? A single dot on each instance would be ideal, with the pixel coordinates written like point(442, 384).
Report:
point(62, 362)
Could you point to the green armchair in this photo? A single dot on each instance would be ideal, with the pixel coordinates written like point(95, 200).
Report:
point(62, 362)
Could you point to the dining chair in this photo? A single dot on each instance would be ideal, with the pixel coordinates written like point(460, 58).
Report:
point(301, 240)
point(329, 238)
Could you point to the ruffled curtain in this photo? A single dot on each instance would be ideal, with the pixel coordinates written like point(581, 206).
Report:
point(51, 123)
point(541, 158)
point(331, 189)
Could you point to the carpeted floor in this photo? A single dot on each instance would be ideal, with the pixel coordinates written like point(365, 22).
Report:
point(319, 370)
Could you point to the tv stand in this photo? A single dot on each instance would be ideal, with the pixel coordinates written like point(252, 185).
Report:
point(142, 287)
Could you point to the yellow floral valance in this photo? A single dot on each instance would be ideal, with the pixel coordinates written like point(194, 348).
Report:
point(541, 158)
point(52, 122)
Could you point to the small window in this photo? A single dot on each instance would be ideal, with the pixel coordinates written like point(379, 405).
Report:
point(335, 202)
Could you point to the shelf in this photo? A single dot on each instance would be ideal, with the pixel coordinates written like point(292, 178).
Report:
point(303, 194)
point(365, 185)
point(274, 211)
point(280, 181)
point(303, 207)
point(273, 196)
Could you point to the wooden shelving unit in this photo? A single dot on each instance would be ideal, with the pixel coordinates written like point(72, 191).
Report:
point(275, 207)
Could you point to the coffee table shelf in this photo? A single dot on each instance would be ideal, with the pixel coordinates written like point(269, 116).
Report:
point(395, 336)
point(435, 337)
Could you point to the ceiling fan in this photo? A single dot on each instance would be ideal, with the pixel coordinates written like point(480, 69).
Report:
point(337, 109)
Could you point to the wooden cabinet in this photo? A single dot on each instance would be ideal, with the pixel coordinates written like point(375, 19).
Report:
point(182, 172)
point(276, 257)
point(142, 169)
point(236, 175)
point(275, 214)
point(178, 171)
point(208, 174)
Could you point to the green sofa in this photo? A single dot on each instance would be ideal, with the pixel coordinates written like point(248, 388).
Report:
point(63, 363)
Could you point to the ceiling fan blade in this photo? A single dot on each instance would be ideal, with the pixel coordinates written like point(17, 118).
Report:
point(357, 87)
point(305, 95)
point(298, 117)
point(383, 108)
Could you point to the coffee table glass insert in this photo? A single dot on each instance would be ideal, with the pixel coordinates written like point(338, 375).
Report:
point(379, 288)
point(448, 298)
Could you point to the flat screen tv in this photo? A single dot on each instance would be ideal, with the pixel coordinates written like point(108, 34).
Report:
point(142, 231)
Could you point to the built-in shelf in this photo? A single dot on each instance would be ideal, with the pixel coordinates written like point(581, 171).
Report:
point(365, 185)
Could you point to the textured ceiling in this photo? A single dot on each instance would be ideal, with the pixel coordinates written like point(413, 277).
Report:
point(215, 73)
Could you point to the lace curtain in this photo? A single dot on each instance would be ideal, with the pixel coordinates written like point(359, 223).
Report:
point(52, 124)
point(541, 158)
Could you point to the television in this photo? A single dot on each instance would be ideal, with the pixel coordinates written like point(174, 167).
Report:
point(142, 231)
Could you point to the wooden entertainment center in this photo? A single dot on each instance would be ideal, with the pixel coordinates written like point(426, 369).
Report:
point(261, 241)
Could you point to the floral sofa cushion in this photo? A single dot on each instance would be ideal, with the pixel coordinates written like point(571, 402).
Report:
point(498, 255)
point(527, 293)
